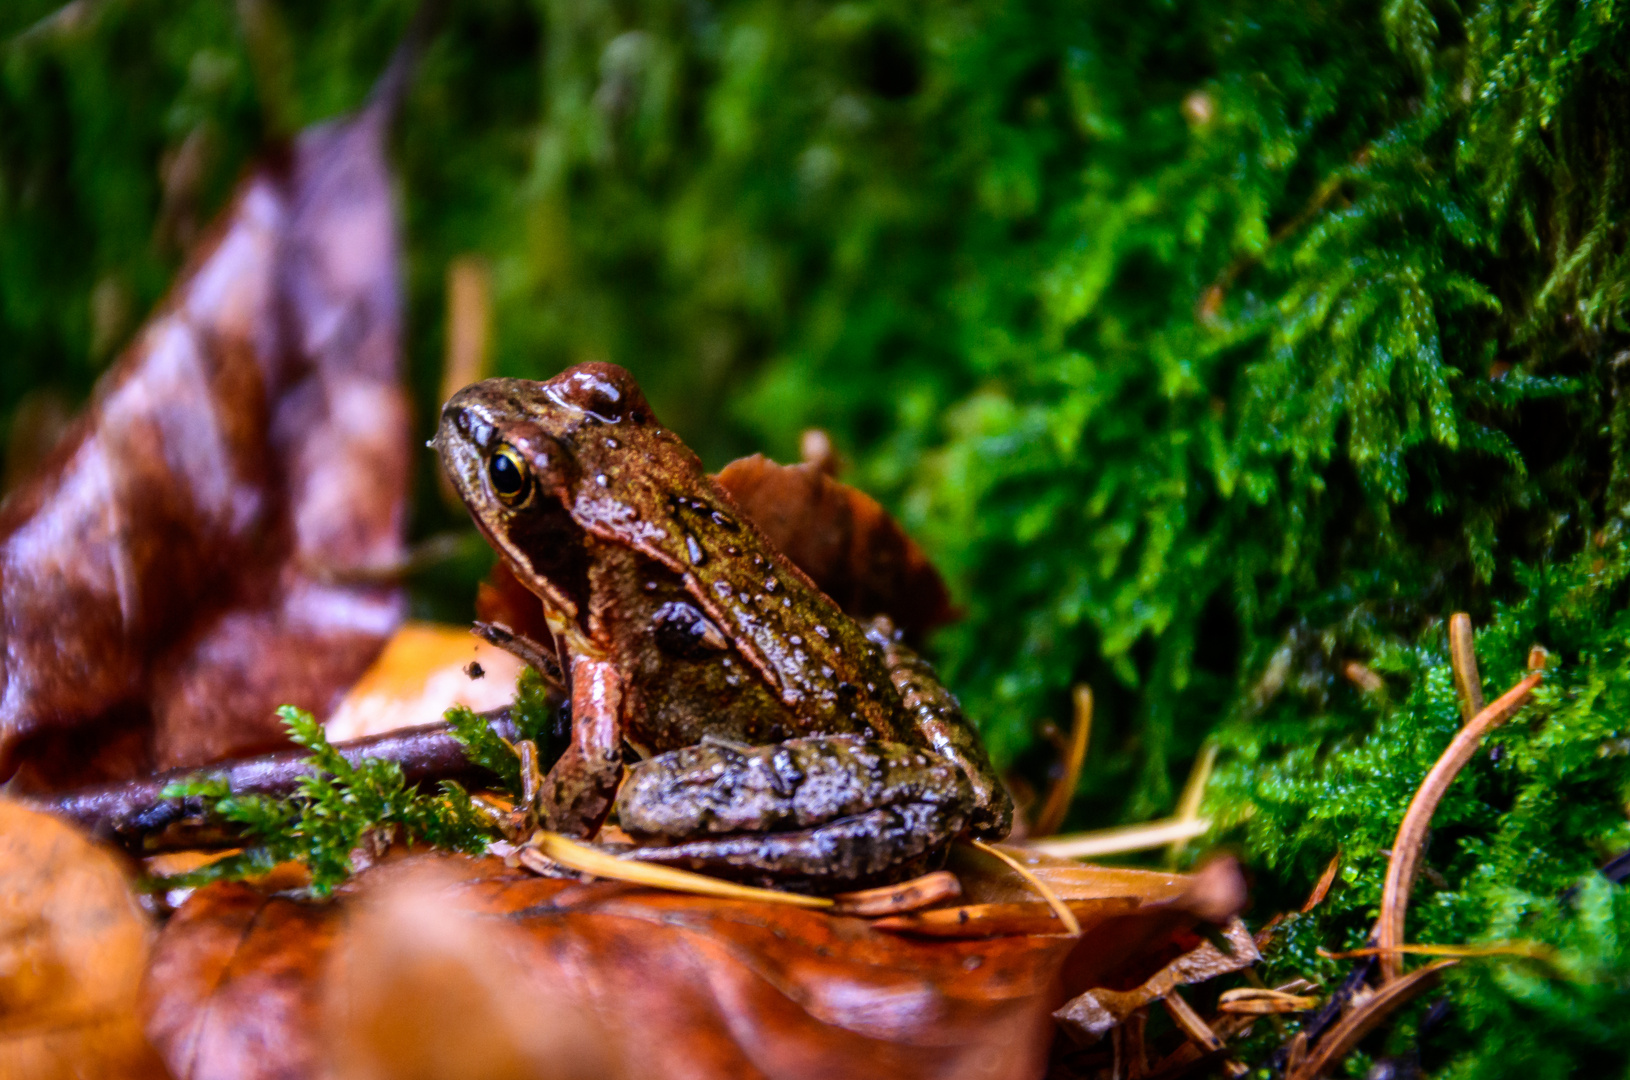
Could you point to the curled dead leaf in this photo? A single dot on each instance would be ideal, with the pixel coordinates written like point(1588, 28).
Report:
point(850, 546)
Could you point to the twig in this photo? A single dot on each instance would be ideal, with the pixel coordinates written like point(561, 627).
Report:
point(1195, 1028)
point(907, 896)
point(1060, 908)
point(1406, 849)
point(1352, 1028)
point(1463, 661)
point(138, 817)
point(1063, 789)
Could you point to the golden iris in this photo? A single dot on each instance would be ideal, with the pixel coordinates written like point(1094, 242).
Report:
point(511, 481)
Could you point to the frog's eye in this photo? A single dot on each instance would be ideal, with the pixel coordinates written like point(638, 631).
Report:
point(510, 478)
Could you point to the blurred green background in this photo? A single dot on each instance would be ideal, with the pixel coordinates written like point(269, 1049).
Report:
point(1212, 349)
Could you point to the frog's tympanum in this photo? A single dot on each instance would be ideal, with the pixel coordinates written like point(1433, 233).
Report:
point(775, 739)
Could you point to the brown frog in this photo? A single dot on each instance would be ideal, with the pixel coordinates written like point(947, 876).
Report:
point(779, 741)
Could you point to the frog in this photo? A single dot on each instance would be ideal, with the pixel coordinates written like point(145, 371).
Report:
point(737, 720)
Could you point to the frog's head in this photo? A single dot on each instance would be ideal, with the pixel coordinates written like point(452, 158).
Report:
point(516, 451)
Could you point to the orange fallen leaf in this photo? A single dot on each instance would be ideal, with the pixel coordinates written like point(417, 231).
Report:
point(73, 944)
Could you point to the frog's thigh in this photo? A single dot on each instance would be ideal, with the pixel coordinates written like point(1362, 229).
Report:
point(879, 847)
point(718, 787)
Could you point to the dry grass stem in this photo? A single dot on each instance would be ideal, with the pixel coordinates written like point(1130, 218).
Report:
point(1531, 950)
point(1463, 659)
point(1060, 908)
point(1121, 839)
point(1063, 789)
point(1194, 793)
point(1260, 1001)
point(1322, 889)
point(1406, 849)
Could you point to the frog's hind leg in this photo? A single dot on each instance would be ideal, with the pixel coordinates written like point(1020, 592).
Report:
point(879, 847)
point(939, 718)
point(824, 812)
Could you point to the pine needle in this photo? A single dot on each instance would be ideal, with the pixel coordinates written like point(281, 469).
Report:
point(1060, 908)
point(588, 860)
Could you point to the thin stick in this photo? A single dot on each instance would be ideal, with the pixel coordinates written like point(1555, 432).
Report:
point(912, 895)
point(581, 857)
point(1060, 908)
point(1463, 661)
point(136, 815)
point(1406, 849)
point(1365, 1018)
point(1063, 789)
point(1189, 1020)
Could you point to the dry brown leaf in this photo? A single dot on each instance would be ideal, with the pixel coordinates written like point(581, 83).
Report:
point(73, 944)
point(682, 986)
point(179, 565)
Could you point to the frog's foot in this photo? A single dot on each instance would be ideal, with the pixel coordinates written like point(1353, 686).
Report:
point(878, 847)
point(824, 812)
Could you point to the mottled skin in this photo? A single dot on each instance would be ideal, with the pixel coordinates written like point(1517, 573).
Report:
point(686, 635)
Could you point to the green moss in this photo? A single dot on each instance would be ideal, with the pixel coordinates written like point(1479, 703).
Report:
point(332, 811)
point(1209, 347)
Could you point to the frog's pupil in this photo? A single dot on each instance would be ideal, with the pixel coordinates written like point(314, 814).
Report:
point(507, 480)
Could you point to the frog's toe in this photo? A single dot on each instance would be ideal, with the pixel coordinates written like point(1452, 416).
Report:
point(879, 847)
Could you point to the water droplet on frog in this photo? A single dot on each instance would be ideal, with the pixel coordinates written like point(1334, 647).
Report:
point(732, 550)
point(823, 631)
point(758, 560)
point(826, 672)
point(612, 444)
point(601, 480)
point(871, 688)
point(697, 555)
point(650, 586)
point(770, 584)
point(796, 640)
point(786, 601)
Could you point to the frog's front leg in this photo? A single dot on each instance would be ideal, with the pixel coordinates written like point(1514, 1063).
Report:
point(821, 813)
point(576, 795)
